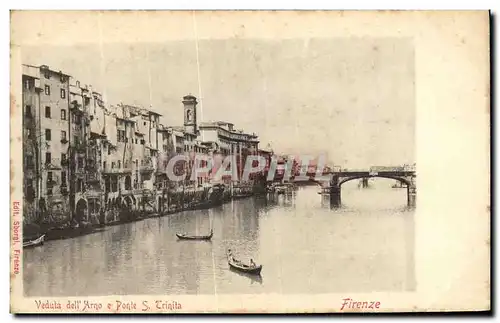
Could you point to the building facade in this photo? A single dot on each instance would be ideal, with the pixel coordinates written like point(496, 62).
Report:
point(225, 141)
point(47, 130)
point(88, 161)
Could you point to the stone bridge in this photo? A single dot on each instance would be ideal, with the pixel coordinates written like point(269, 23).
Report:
point(338, 178)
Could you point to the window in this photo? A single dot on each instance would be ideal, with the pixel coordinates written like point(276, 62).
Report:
point(63, 158)
point(49, 190)
point(49, 176)
point(121, 135)
point(104, 165)
point(79, 185)
point(46, 74)
point(107, 185)
point(30, 192)
point(48, 159)
point(80, 162)
point(48, 135)
point(29, 133)
point(119, 164)
point(114, 184)
point(63, 135)
point(47, 89)
point(76, 140)
point(28, 84)
point(27, 111)
point(29, 161)
point(63, 114)
point(77, 119)
point(63, 94)
point(128, 183)
point(63, 178)
point(112, 165)
point(47, 112)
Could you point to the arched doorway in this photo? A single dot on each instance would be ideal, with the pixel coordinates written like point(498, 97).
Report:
point(81, 210)
point(128, 203)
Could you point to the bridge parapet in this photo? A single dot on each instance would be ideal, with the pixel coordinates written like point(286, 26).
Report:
point(404, 175)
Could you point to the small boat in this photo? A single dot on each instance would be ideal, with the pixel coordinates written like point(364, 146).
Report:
point(237, 265)
point(34, 242)
point(324, 191)
point(183, 236)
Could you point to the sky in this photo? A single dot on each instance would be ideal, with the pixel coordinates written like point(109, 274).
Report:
point(351, 99)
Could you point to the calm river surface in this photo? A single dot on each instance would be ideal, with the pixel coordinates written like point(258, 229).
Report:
point(304, 246)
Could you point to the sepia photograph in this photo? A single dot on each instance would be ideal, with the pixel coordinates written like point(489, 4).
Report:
point(200, 161)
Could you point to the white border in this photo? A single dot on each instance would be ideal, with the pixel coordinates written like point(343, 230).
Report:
point(144, 4)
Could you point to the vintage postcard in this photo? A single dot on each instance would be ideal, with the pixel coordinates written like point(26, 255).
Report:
point(249, 161)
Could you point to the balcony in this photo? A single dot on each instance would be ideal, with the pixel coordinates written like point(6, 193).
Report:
point(115, 170)
point(64, 141)
point(92, 178)
point(146, 167)
point(51, 183)
point(92, 193)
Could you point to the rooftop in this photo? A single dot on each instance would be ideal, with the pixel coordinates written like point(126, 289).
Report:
point(46, 67)
point(216, 123)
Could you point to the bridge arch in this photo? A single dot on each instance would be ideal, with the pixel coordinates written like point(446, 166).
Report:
point(397, 178)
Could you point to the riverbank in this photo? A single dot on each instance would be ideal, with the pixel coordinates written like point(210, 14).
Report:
point(116, 214)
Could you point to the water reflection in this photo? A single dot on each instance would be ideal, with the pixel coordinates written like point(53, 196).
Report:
point(250, 277)
point(303, 245)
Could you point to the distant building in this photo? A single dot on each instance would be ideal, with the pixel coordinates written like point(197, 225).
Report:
point(225, 141)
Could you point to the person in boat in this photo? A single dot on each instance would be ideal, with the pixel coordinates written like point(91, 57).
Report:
point(252, 264)
point(230, 255)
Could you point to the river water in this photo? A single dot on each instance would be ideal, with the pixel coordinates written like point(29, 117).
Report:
point(303, 245)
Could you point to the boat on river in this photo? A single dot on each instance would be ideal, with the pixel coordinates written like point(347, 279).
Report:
point(282, 188)
point(324, 191)
point(184, 236)
point(239, 266)
point(33, 242)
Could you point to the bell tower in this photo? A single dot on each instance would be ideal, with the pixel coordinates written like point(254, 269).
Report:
point(190, 103)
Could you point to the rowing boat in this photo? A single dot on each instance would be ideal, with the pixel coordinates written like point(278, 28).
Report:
point(34, 242)
point(183, 236)
point(237, 265)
